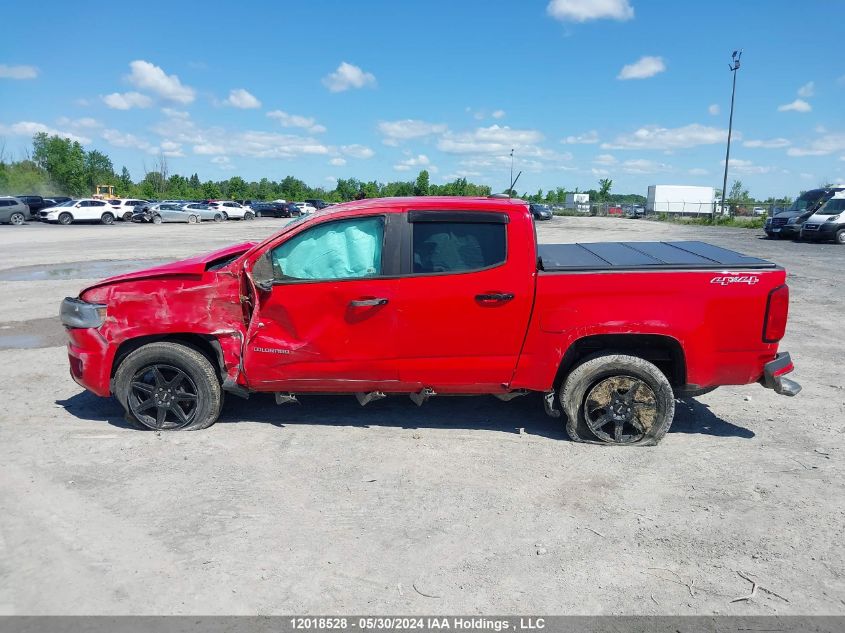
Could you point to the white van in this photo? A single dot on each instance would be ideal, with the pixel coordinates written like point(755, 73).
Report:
point(828, 223)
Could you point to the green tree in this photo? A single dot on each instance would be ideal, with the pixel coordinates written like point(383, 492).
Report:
point(210, 191)
point(237, 188)
point(63, 160)
point(98, 170)
point(421, 186)
point(605, 185)
point(738, 192)
point(126, 184)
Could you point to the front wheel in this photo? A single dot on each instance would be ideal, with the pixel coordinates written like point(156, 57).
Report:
point(168, 387)
point(617, 399)
point(249, 216)
point(225, 216)
point(156, 219)
point(107, 218)
point(218, 217)
point(840, 236)
point(127, 217)
point(17, 218)
point(65, 218)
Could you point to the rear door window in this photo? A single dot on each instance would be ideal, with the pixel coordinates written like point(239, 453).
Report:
point(457, 247)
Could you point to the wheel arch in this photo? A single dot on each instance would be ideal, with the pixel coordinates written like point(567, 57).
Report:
point(665, 352)
point(205, 344)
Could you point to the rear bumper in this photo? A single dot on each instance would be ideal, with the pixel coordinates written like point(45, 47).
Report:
point(773, 375)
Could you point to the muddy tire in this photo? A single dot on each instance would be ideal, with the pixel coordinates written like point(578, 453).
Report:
point(156, 219)
point(65, 218)
point(17, 218)
point(168, 387)
point(617, 399)
point(107, 218)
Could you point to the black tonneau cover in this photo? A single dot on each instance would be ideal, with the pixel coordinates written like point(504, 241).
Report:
point(644, 256)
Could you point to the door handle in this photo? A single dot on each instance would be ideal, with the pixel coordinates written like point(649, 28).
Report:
point(498, 297)
point(368, 303)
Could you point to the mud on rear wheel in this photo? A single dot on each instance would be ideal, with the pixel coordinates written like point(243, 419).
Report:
point(168, 387)
point(617, 399)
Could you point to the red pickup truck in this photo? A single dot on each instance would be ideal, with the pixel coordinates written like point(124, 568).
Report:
point(427, 296)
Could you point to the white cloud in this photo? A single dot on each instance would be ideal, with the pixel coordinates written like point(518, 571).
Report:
point(498, 114)
point(18, 72)
point(421, 160)
point(698, 171)
point(643, 68)
point(175, 114)
point(127, 100)
point(357, 151)
point(295, 120)
point(87, 122)
point(348, 76)
point(714, 109)
point(171, 149)
point(404, 129)
point(31, 128)
point(587, 139)
point(656, 137)
point(807, 90)
point(643, 166)
point(337, 162)
point(207, 149)
point(586, 10)
point(772, 143)
point(827, 144)
point(122, 139)
point(605, 159)
point(599, 172)
point(799, 105)
point(223, 163)
point(488, 140)
point(240, 98)
point(746, 167)
point(150, 77)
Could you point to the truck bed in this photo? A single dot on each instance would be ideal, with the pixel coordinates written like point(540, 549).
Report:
point(644, 256)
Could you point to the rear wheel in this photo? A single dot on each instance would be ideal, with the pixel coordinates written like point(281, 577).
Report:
point(65, 218)
point(107, 218)
point(156, 219)
point(249, 215)
point(617, 399)
point(840, 236)
point(192, 219)
point(17, 218)
point(168, 387)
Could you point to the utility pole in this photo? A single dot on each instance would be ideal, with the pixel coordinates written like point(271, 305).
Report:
point(734, 66)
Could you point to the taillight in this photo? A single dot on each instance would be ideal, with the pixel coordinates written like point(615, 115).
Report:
point(777, 309)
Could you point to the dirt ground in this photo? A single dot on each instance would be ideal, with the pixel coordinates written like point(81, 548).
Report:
point(466, 505)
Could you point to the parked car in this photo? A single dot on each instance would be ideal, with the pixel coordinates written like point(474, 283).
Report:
point(827, 223)
point(788, 223)
point(759, 211)
point(123, 207)
point(165, 212)
point(35, 203)
point(59, 199)
point(205, 212)
point(84, 210)
point(13, 211)
point(292, 210)
point(271, 210)
point(477, 306)
point(305, 207)
point(317, 203)
point(541, 211)
point(231, 210)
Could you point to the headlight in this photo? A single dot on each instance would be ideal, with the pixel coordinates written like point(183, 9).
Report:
point(792, 220)
point(833, 218)
point(76, 313)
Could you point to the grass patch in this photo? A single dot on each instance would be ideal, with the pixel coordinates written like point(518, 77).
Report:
point(739, 222)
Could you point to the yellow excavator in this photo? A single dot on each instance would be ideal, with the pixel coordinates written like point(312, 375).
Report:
point(103, 192)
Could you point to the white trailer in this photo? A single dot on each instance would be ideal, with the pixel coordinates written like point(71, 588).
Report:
point(578, 202)
point(680, 199)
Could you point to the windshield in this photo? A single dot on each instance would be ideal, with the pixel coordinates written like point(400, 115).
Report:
point(806, 200)
point(832, 207)
point(66, 203)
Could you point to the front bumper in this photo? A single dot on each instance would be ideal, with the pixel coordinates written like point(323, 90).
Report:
point(773, 375)
point(820, 231)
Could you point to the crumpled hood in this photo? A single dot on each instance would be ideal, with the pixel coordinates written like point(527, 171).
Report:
point(195, 265)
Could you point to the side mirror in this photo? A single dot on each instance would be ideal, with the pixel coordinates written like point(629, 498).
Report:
point(262, 272)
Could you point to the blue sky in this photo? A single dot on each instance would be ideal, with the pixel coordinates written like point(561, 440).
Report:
point(634, 90)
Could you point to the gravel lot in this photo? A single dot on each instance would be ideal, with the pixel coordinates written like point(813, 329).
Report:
point(330, 507)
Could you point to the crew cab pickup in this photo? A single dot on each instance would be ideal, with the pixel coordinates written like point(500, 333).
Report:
point(428, 296)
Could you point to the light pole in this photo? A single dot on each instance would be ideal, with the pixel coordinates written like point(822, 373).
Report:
point(510, 189)
point(734, 66)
